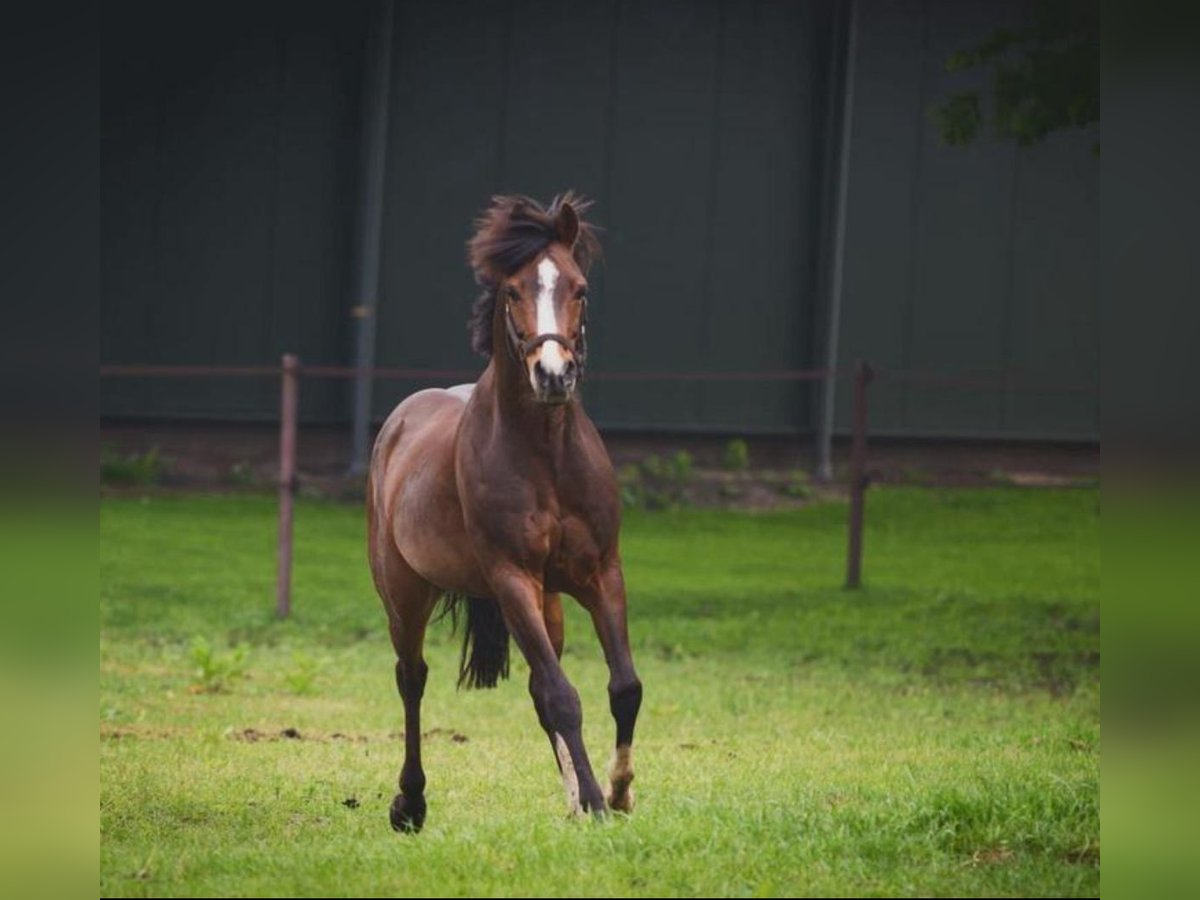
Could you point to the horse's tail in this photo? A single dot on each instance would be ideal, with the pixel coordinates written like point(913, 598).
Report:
point(484, 659)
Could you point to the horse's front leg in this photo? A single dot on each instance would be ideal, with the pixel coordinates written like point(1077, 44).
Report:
point(605, 600)
point(554, 698)
point(552, 615)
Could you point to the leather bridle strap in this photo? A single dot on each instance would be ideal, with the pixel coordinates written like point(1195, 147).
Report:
point(533, 343)
point(524, 347)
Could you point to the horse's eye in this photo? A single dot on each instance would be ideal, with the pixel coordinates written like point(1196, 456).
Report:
point(513, 296)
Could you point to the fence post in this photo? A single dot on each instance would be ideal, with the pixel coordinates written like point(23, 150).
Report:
point(289, 397)
point(858, 474)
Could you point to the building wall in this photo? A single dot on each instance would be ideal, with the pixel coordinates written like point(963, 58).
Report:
point(964, 261)
point(692, 126)
point(231, 157)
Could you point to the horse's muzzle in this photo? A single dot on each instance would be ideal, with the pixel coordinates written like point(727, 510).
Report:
point(554, 387)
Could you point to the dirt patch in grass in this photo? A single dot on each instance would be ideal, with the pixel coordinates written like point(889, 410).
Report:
point(137, 732)
point(991, 856)
point(255, 736)
point(1085, 856)
point(258, 735)
point(455, 736)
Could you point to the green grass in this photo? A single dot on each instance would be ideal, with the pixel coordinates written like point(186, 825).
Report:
point(935, 733)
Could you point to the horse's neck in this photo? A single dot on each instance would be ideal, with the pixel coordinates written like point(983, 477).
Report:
point(539, 430)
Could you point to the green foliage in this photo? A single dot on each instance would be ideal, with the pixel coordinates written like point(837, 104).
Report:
point(215, 672)
point(132, 469)
point(736, 456)
point(681, 467)
point(301, 679)
point(1045, 77)
point(798, 485)
point(657, 483)
point(652, 466)
point(632, 490)
point(936, 732)
point(913, 474)
point(959, 118)
point(241, 474)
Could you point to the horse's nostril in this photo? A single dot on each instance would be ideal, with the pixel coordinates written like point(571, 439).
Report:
point(555, 384)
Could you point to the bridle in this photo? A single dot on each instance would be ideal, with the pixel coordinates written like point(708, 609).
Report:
point(522, 348)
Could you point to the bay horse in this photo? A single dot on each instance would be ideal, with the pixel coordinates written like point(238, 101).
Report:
point(500, 496)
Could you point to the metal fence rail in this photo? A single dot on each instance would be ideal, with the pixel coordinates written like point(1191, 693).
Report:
point(290, 370)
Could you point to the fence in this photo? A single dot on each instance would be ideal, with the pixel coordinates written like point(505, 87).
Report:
point(290, 371)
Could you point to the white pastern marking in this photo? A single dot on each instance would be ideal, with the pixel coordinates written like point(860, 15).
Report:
point(620, 773)
point(547, 323)
point(622, 764)
point(570, 779)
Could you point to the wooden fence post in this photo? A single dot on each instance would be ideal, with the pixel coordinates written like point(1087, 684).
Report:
point(289, 399)
point(858, 474)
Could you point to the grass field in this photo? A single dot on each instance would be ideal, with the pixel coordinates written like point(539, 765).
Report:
point(936, 733)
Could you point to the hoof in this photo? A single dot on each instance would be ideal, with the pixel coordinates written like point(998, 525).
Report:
point(620, 798)
point(407, 815)
point(588, 814)
point(594, 812)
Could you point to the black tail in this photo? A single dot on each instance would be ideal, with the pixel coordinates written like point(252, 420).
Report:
point(484, 659)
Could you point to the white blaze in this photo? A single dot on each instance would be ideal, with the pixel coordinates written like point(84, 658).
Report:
point(551, 353)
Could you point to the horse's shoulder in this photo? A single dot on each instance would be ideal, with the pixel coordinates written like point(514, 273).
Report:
point(434, 397)
point(433, 404)
point(423, 415)
point(462, 391)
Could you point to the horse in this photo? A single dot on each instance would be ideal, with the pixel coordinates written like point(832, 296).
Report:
point(499, 496)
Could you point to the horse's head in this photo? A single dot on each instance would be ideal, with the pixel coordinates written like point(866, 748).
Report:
point(534, 260)
point(544, 305)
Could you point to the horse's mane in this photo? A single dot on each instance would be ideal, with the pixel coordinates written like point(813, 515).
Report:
point(510, 233)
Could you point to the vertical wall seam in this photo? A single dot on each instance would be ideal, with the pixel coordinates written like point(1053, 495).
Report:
point(505, 89)
point(915, 217)
point(711, 189)
point(1004, 407)
point(267, 391)
point(837, 247)
point(369, 238)
point(157, 301)
point(824, 168)
point(610, 116)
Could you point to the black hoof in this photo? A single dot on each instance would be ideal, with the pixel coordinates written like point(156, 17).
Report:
point(407, 815)
point(597, 810)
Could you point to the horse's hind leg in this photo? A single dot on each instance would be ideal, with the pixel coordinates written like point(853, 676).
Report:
point(606, 603)
point(409, 601)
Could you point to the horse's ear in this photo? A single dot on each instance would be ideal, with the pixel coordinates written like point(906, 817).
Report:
point(566, 225)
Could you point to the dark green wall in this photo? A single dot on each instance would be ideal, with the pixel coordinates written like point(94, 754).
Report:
point(229, 153)
point(230, 163)
point(690, 123)
point(964, 261)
